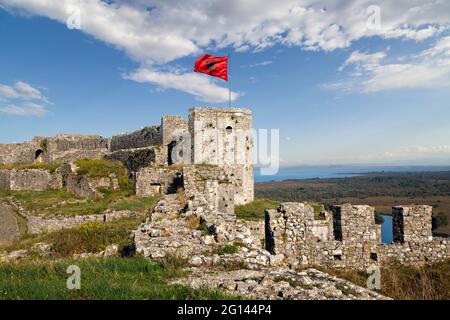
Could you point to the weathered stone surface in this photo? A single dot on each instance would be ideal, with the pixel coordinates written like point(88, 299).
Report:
point(135, 159)
point(222, 136)
point(9, 229)
point(278, 284)
point(38, 224)
point(84, 186)
point(13, 255)
point(351, 239)
point(155, 180)
point(146, 137)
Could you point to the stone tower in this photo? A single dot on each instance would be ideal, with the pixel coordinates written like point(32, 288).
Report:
point(223, 137)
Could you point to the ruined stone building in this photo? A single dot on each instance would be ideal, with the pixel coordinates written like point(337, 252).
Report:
point(209, 155)
point(208, 158)
point(348, 236)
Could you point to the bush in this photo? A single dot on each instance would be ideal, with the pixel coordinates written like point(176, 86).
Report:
point(228, 249)
point(255, 209)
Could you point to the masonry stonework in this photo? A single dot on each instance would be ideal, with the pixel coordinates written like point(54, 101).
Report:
point(352, 240)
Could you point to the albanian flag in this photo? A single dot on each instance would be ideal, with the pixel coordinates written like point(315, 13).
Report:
point(213, 66)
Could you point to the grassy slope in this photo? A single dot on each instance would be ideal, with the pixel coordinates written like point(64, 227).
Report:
point(56, 202)
point(430, 282)
point(111, 278)
point(91, 237)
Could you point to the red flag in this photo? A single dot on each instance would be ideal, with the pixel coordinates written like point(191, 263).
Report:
point(213, 66)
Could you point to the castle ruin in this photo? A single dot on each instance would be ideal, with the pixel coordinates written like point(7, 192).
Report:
point(209, 158)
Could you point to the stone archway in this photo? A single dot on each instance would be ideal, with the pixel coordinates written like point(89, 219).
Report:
point(39, 156)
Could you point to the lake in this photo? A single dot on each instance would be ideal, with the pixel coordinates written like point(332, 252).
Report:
point(339, 171)
point(386, 230)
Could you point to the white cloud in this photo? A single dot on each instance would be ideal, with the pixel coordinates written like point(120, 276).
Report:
point(370, 73)
point(18, 99)
point(22, 90)
point(193, 83)
point(258, 64)
point(26, 109)
point(159, 32)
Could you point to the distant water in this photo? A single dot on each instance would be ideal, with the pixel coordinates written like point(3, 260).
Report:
point(327, 172)
point(386, 230)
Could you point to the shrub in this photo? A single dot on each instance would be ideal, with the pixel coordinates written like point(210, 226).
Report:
point(255, 209)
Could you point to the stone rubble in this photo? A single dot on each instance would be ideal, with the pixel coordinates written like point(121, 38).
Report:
point(277, 284)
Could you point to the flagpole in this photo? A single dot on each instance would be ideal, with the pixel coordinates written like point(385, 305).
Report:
point(229, 84)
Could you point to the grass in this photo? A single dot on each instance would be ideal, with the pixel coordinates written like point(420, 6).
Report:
point(60, 202)
point(428, 282)
point(103, 168)
point(92, 237)
point(112, 278)
point(22, 166)
point(229, 248)
point(255, 209)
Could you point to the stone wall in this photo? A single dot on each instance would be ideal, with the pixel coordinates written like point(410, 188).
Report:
point(38, 224)
point(65, 148)
point(146, 137)
point(84, 186)
point(412, 224)
point(29, 180)
point(135, 159)
point(20, 152)
point(223, 137)
point(210, 187)
point(350, 239)
point(156, 180)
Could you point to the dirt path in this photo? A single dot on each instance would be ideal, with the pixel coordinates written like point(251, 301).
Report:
point(9, 229)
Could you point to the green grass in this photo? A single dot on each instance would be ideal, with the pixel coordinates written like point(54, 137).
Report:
point(135, 204)
point(91, 237)
point(111, 278)
point(38, 200)
point(60, 202)
point(428, 282)
point(227, 249)
point(255, 209)
point(103, 168)
point(22, 166)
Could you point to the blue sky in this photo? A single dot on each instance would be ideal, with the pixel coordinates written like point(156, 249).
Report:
point(337, 94)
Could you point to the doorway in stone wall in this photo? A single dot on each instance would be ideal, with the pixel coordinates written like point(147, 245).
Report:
point(170, 148)
point(175, 184)
point(39, 156)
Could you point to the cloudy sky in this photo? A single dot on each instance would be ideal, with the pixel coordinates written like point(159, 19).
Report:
point(344, 81)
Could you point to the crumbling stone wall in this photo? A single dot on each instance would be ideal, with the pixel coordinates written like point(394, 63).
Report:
point(84, 186)
point(20, 152)
point(223, 137)
point(67, 148)
point(353, 240)
point(135, 159)
point(29, 180)
point(412, 224)
point(174, 131)
point(157, 180)
point(209, 186)
point(146, 137)
point(36, 224)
